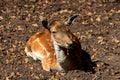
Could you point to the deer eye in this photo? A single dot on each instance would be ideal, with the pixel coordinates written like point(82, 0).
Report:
point(54, 32)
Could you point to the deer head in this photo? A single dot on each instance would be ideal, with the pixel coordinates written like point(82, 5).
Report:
point(60, 32)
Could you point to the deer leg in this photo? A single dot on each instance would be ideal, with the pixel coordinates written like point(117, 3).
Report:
point(45, 64)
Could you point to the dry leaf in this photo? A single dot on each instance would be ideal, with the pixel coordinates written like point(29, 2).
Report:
point(101, 40)
point(1, 18)
point(89, 13)
point(19, 28)
point(13, 17)
point(115, 40)
point(84, 22)
point(98, 19)
point(118, 11)
point(26, 60)
point(35, 25)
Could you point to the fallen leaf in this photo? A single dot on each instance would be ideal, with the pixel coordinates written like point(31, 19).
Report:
point(89, 13)
point(101, 40)
point(35, 25)
point(26, 60)
point(115, 40)
point(1, 18)
point(12, 17)
point(98, 19)
point(84, 22)
point(118, 11)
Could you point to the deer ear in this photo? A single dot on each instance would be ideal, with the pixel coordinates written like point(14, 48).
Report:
point(70, 20)
point(45, 24)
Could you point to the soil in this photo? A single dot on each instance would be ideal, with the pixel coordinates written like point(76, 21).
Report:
point(97, 27)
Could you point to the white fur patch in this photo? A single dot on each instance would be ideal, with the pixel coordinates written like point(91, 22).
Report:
point(36, 56)
point(59, 53)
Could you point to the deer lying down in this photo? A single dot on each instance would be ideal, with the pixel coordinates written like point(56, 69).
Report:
point(56, 46)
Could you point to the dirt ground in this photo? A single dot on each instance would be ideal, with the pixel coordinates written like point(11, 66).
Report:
point(97, 27)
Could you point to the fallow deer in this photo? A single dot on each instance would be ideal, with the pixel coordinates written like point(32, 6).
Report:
point(57, 47)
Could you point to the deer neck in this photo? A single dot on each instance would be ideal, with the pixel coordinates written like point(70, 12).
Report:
point(60, 52)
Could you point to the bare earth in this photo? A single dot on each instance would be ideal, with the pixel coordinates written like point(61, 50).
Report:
point(97, 27)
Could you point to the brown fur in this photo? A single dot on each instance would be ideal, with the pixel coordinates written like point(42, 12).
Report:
point(43, 38)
